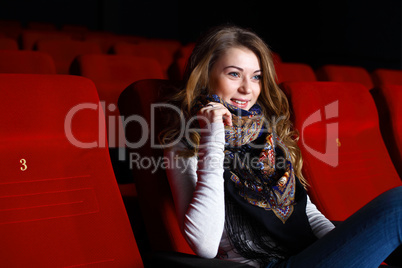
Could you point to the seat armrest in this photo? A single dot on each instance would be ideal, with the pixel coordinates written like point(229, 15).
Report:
point(177, 259)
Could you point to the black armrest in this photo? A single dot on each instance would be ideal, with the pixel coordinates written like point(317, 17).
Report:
point(336, 223)
point(176, 259)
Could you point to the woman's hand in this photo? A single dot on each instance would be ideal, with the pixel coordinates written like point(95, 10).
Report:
point(214, 112)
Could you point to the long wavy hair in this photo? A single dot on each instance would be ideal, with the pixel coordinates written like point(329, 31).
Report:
point(273, 101)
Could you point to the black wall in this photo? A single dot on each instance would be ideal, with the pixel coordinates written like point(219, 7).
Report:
point(355, 32)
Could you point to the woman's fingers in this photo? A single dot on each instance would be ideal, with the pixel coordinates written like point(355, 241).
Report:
point(227, 119)
point(214, 112)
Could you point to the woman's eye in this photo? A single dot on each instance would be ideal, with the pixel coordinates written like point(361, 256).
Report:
point(257, 77)
point(234, 74)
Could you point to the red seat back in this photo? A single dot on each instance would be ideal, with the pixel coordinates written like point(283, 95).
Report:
point(8, 43)
point(60, 205)
point(387, 76)
point(179, 65)
point(31, 37)
point(170, 44)
point(153, 189)
point(343, 73)
point(64, 52)
point(28, 62)
point(294, 72)
point(118, 68)
point(146, 49)
point(111, 75)
point(346, 161)
point(392, 121)
point(107, 39)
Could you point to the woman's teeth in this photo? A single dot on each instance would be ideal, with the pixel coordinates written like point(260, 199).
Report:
point(239, 102)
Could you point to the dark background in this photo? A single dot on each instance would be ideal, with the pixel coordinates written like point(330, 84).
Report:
point(355, 32)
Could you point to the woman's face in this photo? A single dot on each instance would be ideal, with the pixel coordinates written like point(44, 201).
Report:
point(236, 77)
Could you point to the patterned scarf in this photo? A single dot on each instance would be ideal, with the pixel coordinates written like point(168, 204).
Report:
point(259, 161)
point(264, 200)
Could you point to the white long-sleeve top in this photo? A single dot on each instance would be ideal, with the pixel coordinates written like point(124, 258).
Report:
point(197, 187)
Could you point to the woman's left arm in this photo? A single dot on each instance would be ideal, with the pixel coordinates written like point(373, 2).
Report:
point(318, 222)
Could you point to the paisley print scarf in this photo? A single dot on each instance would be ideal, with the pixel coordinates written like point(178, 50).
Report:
point(259, 161)
point(265, 203)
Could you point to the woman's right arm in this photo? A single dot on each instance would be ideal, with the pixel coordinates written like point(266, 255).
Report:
point(198, 193)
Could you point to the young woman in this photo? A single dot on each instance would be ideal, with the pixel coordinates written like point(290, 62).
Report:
point(240, 194)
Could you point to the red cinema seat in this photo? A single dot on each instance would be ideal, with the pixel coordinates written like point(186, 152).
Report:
point(64, 52)
point(186, 50)
point(8, 43)
point(171, 44)
point(153, 189)
point(29, 38)
point(28, 62)
point(345, 159)
point(344, 73)
point(294, 72)
point(386, 77)
point(146, 49)
point(60, 205)
point(177, 69)
point(392, 122)
point(112, 74)
point(105, 39)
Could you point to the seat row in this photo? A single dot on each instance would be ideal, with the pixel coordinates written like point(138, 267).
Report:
point(112, 73)
point(59, 196)
point(60, 204)
point(297, 72)
point(172, 57)
point(64, 50)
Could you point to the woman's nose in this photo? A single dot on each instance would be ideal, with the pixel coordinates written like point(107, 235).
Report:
point(245, 86)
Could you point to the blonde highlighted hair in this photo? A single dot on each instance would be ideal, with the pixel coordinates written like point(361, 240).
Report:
point(272, 99)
